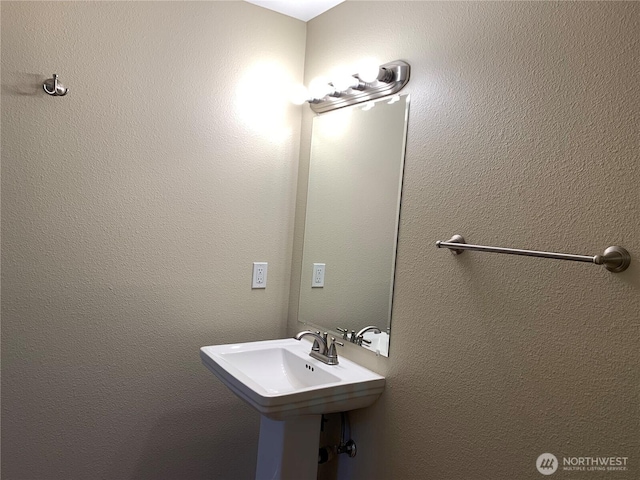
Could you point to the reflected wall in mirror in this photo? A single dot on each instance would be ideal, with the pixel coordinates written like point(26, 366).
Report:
point(351, 226)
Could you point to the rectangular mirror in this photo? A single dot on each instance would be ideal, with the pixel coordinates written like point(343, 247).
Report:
point(351, 225)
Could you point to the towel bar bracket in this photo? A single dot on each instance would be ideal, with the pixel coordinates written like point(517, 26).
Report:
point(615, 259)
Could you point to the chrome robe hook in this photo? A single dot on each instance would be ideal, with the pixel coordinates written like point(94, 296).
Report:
point(52, 87)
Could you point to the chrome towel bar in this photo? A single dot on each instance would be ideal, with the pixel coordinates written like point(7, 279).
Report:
point(614, 259)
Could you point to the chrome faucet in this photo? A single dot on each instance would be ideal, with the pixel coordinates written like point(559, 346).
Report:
point(366, 329)
point(326, 354)
point(359, 338)
point(316, 345)
point(319, 340)
point(350, 337)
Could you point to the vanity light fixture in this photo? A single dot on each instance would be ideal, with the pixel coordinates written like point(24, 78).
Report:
point(326, 95)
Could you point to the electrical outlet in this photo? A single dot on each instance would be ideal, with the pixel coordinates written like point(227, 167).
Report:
point(259, 275)
point(318, 275)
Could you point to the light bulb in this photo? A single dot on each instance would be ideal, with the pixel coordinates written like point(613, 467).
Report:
point(368, 70)
point(319, 87)
point(345, 82)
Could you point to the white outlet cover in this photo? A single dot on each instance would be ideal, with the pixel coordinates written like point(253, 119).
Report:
point(259, 278)
point(318, 275)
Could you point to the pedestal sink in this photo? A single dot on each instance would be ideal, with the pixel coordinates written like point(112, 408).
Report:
point(291, 391)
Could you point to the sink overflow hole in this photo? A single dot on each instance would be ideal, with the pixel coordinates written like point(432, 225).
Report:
point(308, 367)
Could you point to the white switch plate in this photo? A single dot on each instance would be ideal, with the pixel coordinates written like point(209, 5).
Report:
point(318, 275)
point(259, 275)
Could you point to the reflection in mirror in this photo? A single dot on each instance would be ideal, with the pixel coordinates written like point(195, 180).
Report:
point(351, 227)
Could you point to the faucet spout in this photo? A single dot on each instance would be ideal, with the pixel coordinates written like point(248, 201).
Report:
point(372, 328)
point(318, 338)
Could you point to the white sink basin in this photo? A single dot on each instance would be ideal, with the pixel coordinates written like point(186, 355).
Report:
point(280, 380)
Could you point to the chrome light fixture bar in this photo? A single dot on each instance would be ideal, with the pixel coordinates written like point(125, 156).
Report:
point(392, 77)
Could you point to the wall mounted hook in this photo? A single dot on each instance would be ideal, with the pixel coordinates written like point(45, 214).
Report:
point(53, 88)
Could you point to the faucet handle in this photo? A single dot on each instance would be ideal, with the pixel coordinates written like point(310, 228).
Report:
point(345, 332)
point(332, 354)
point(316, 345)
point(360, 340)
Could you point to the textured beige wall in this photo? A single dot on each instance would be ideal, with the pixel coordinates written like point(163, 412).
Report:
point(523, 132)
point(130, 212)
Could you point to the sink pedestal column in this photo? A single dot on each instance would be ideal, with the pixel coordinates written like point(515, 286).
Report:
point(288, 449)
